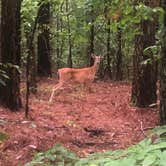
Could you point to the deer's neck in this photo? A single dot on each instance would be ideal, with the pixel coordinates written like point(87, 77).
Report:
point(95, 67)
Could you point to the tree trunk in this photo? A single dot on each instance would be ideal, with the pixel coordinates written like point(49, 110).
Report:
point(91, 47)
point(144, 75)
point(69, 60)
point(61, 30)
point(31, 85)
point(107, 70)
point(90, 19)
point(32, 67)
point(44, 58)
point(0, 27)
point(163, 71)
point(59, 39)
point(10, 53)
point(119, 74)
point(57, 42)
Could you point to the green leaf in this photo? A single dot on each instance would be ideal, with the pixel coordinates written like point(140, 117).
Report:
point(2, 82)
point(162, 161)
point(150, 159)
point(151, 50)
point(93, 165)
point(161, 145)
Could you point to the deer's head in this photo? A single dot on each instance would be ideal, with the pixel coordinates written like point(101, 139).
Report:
point(97, 59)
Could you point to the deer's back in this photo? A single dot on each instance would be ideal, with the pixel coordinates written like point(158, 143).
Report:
point(77, 75)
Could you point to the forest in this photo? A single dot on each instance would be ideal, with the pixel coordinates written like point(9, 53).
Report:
point(82, 83)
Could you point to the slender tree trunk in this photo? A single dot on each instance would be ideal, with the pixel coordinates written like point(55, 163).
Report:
point(162, 71)
point(119, 74)
point(31, 85)
point(90, 18)
point(10, 53)
point(107, 70)
point(69, 60)
point(44, 58)
point(59, 39)
point(91, 47)
point(57, 42)
point(61, 30)
point(32, 67)
point(144, 76)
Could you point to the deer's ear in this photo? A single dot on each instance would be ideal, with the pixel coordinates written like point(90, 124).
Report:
point(101, 57)
point(93, 55)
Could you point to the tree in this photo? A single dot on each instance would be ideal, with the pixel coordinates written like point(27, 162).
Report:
point(30, 15)
point(119, 56)
point(163, 71)
point(44, 58)
point(107, 70)
point(59, 30)
point(10, 53)
point(69, 59)
point(144, 66)
point(90, 19)
point(0, 30)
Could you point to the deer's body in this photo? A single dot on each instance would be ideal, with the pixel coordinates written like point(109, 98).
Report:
point(81, 76)
point(84, 76)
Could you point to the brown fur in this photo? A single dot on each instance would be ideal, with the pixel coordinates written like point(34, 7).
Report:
point(84, 76)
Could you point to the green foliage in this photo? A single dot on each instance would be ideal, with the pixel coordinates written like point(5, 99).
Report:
point(3, 136)
point(3, 75)
point(3, 72)
point(29, 11)
point(82, 15)
point(148, 152)
point(58, 155)
point(153, 53)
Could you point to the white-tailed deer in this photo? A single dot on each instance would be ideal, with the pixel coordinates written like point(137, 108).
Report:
point(84, 76)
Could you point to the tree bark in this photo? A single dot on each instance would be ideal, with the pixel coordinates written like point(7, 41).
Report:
point(144, 75)
point(119, 74)
point(163, 71)
point(69, 59)
point(0, 27)
point(57, 42)
point(59, 39)
point(44, 57)
point(90, 49)
point(61, 30)
point(31, 85)
point(107, 70)
point(10, 53)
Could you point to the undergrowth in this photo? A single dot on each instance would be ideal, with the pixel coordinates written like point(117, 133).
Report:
point(149, 152)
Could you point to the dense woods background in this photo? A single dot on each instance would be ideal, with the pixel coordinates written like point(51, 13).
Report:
point(39, 37)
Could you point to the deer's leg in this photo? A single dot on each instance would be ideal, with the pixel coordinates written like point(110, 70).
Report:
point(59, 85)
point(87, 86)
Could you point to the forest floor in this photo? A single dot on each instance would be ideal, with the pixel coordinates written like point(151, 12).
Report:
point(81, 121)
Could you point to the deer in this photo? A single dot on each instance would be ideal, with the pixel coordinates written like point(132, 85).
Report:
point(83, 76)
